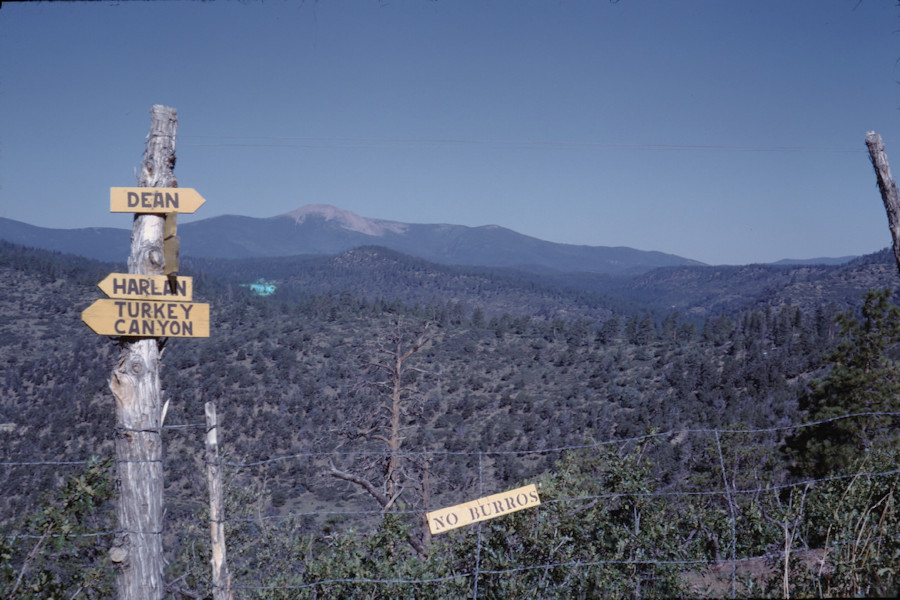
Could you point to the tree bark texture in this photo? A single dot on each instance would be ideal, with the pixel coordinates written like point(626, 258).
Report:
point(887, 187)
point(137, 552)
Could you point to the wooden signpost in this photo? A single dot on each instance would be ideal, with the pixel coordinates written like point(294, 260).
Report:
point(145, 306)
point(489, 507)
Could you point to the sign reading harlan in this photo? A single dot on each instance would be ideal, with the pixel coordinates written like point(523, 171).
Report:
point(147, 287)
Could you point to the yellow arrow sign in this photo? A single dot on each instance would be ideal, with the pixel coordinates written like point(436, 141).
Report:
point(147, 287)
point(154, 200)
point(482, 509)
point(147, 318)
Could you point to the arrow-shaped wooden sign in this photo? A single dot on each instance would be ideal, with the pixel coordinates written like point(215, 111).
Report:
point(147, 287)
point(154, 200)
point(133, 318)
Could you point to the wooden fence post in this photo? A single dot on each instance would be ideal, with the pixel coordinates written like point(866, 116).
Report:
point(137, 552)
point(887, 187)
point(221, 580)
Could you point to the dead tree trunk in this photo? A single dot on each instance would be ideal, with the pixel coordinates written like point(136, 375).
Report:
point(389, 421)
point(887, 187)
point(137, 551)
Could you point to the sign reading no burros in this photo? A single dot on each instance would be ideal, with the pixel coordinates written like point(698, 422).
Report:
point(482, 509)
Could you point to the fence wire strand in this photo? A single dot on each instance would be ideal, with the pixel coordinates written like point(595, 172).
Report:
point(728, 492)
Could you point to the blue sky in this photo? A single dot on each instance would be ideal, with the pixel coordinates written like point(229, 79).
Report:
point(726, 131)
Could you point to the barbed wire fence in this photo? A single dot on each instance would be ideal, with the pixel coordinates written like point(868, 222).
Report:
point(728, 492)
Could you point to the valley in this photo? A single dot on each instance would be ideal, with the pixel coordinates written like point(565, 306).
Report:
point(524, 378)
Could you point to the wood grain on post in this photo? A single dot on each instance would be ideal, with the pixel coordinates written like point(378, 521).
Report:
point(887, 187)
point(137, 552)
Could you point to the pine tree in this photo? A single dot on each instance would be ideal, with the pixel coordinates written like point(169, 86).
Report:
point(862, 379)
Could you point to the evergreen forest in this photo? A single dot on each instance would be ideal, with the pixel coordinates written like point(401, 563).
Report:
point(696, 431)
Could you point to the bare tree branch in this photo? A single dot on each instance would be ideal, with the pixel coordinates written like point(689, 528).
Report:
point(363, 483)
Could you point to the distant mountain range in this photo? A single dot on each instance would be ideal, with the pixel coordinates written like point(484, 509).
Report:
point(319, 229)
point(838, 260)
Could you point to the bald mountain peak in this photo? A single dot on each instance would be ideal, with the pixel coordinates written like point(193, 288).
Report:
point(346, 220)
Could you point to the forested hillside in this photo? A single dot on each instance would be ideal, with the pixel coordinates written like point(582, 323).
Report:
point(596, 395)
point(695, 293)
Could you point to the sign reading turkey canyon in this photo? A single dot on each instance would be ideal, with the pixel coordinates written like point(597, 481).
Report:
point(133, 318)
point(482, 509)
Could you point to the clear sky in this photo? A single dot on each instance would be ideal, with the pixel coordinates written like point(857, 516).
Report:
point(727, 131)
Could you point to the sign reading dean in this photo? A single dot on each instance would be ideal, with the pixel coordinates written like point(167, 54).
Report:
point(154, 200)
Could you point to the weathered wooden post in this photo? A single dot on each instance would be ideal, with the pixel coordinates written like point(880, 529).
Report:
point(886, 186)
point(221, 580)
point(138, 550)
point(146, 306)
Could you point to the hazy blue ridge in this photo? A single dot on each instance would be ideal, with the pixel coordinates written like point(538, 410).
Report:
point(326, 230)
